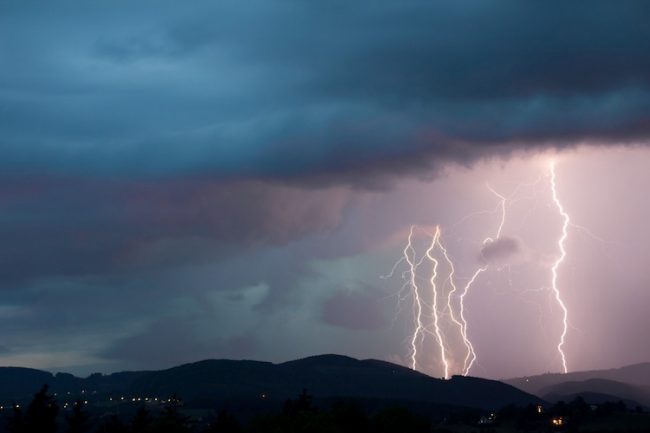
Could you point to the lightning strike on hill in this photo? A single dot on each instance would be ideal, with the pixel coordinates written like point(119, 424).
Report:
point(554, 281)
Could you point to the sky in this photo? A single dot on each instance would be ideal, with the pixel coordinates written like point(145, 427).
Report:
point(238, 179)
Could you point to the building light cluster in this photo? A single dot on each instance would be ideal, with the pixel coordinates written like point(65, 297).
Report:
point(113, 400)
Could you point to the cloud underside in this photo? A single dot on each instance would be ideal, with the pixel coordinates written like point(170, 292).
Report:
point(143, 134)
point(67, 227)
point(334, 92)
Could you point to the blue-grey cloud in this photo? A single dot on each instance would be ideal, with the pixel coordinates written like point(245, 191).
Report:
point(153, 153)
point(356, 310)
point(327, 90)
point(68, 227)
point(172, 341)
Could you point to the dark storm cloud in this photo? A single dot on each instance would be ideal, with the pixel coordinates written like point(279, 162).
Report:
point(154, 154)
point(329, 90)
point(172, 341)
point(356, 310)
point(500, 249)
point(68, 227)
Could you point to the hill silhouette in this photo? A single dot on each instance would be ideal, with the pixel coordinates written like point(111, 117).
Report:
point(326, 377)
point(630, 384)
point(17, 382)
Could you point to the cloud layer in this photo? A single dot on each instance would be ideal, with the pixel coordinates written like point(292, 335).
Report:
point(331, 91)
point(164, 161)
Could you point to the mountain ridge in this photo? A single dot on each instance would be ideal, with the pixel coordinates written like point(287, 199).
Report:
point(324, 376)
point(630, 383)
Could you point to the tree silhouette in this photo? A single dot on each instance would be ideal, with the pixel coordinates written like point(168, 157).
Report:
point(398, 420)
point(302, 404)
point(16, 422)
point(348, 417)
point(170, 420)
point(112, 424)
point(141, 422)
point(224, 423)
point(41, 413)
point(78, 419)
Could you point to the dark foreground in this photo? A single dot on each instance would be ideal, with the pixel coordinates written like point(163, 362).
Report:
point(45, 414)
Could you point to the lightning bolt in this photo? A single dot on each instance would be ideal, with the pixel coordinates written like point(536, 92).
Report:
point(462, 323)
point(416, 294)
point(471, 355)
point(503, 213)
point(431, 324)
point(554, 281)
point(436, 325)
point(409, 256)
